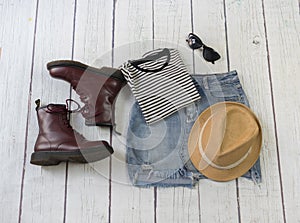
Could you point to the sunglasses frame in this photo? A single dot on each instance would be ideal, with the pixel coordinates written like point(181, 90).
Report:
point(195, 43)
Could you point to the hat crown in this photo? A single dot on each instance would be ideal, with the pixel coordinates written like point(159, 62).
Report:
point(234, 133)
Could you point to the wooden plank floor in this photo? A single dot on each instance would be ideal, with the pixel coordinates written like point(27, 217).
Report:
point(258, 38)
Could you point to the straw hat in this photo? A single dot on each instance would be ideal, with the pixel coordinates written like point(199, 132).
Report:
point(225, 141)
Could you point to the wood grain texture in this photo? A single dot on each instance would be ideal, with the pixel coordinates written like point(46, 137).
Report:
point(283, 28)
point(88, 185)
point(133, 24)
point(16, 43)
point(209, 25)
point(178, 204)
point(44, 187)
point(248, 54)
point(218, 201)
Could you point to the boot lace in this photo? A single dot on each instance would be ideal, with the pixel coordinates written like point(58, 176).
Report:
point(83, 98)
point(69, 110)
point(66, 117)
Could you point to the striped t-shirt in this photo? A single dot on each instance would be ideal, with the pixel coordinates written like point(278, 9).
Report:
point(160, 83)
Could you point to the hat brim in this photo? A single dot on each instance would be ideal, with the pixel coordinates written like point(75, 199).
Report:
point(210, 171)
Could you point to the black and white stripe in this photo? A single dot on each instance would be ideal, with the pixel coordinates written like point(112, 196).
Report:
point(163, 92)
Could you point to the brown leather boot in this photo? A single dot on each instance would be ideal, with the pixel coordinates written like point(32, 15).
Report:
point(97, 88)
point(58, 141)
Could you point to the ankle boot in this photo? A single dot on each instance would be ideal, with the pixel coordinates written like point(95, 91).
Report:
point(97, 88)
point(57, 141)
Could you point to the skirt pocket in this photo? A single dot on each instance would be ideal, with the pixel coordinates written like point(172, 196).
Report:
point(227, 92)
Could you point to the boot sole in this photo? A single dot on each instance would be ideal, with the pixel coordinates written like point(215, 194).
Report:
point(50, 158)
point(98, 124)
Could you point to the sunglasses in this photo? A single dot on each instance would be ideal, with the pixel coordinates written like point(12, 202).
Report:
point(209, 54)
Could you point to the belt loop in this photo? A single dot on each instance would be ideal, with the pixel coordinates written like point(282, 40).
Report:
point(205, 83)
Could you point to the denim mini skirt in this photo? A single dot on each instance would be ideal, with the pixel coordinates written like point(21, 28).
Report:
point(157, 154)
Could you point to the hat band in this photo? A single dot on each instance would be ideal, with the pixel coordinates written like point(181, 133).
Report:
point(210, 162)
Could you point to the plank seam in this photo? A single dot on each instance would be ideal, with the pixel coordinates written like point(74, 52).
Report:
point(28, 114)
point(226, 35)
point(74, 28)
point(238, 199)
point(73, 45)
point(66, 192)
point(192, 24)
point(70, 96)
point(273, 109)
point(155, 204)
point(228, 68)
point(153, 45)
point(113, 31)
point(199, 207)
point(111, 128)
point(109, 180)
point(194, 69)
point(192, 15)
point(152, 23)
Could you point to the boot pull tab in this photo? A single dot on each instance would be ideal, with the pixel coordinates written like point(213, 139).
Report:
point(38, 104)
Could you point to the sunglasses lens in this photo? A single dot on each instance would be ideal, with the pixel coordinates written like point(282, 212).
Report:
point(210, 55)
point(194, 45)
point(194, 41)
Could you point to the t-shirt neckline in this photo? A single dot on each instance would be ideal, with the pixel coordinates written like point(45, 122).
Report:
point(152, 57)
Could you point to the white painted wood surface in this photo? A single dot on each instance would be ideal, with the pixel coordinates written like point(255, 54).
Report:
point(44, 188)
point(248, 54)
point(261, 39)
point(283, 32)
point(16, 41)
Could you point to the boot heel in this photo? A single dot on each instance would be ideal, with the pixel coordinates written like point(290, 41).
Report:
point(43, 159)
